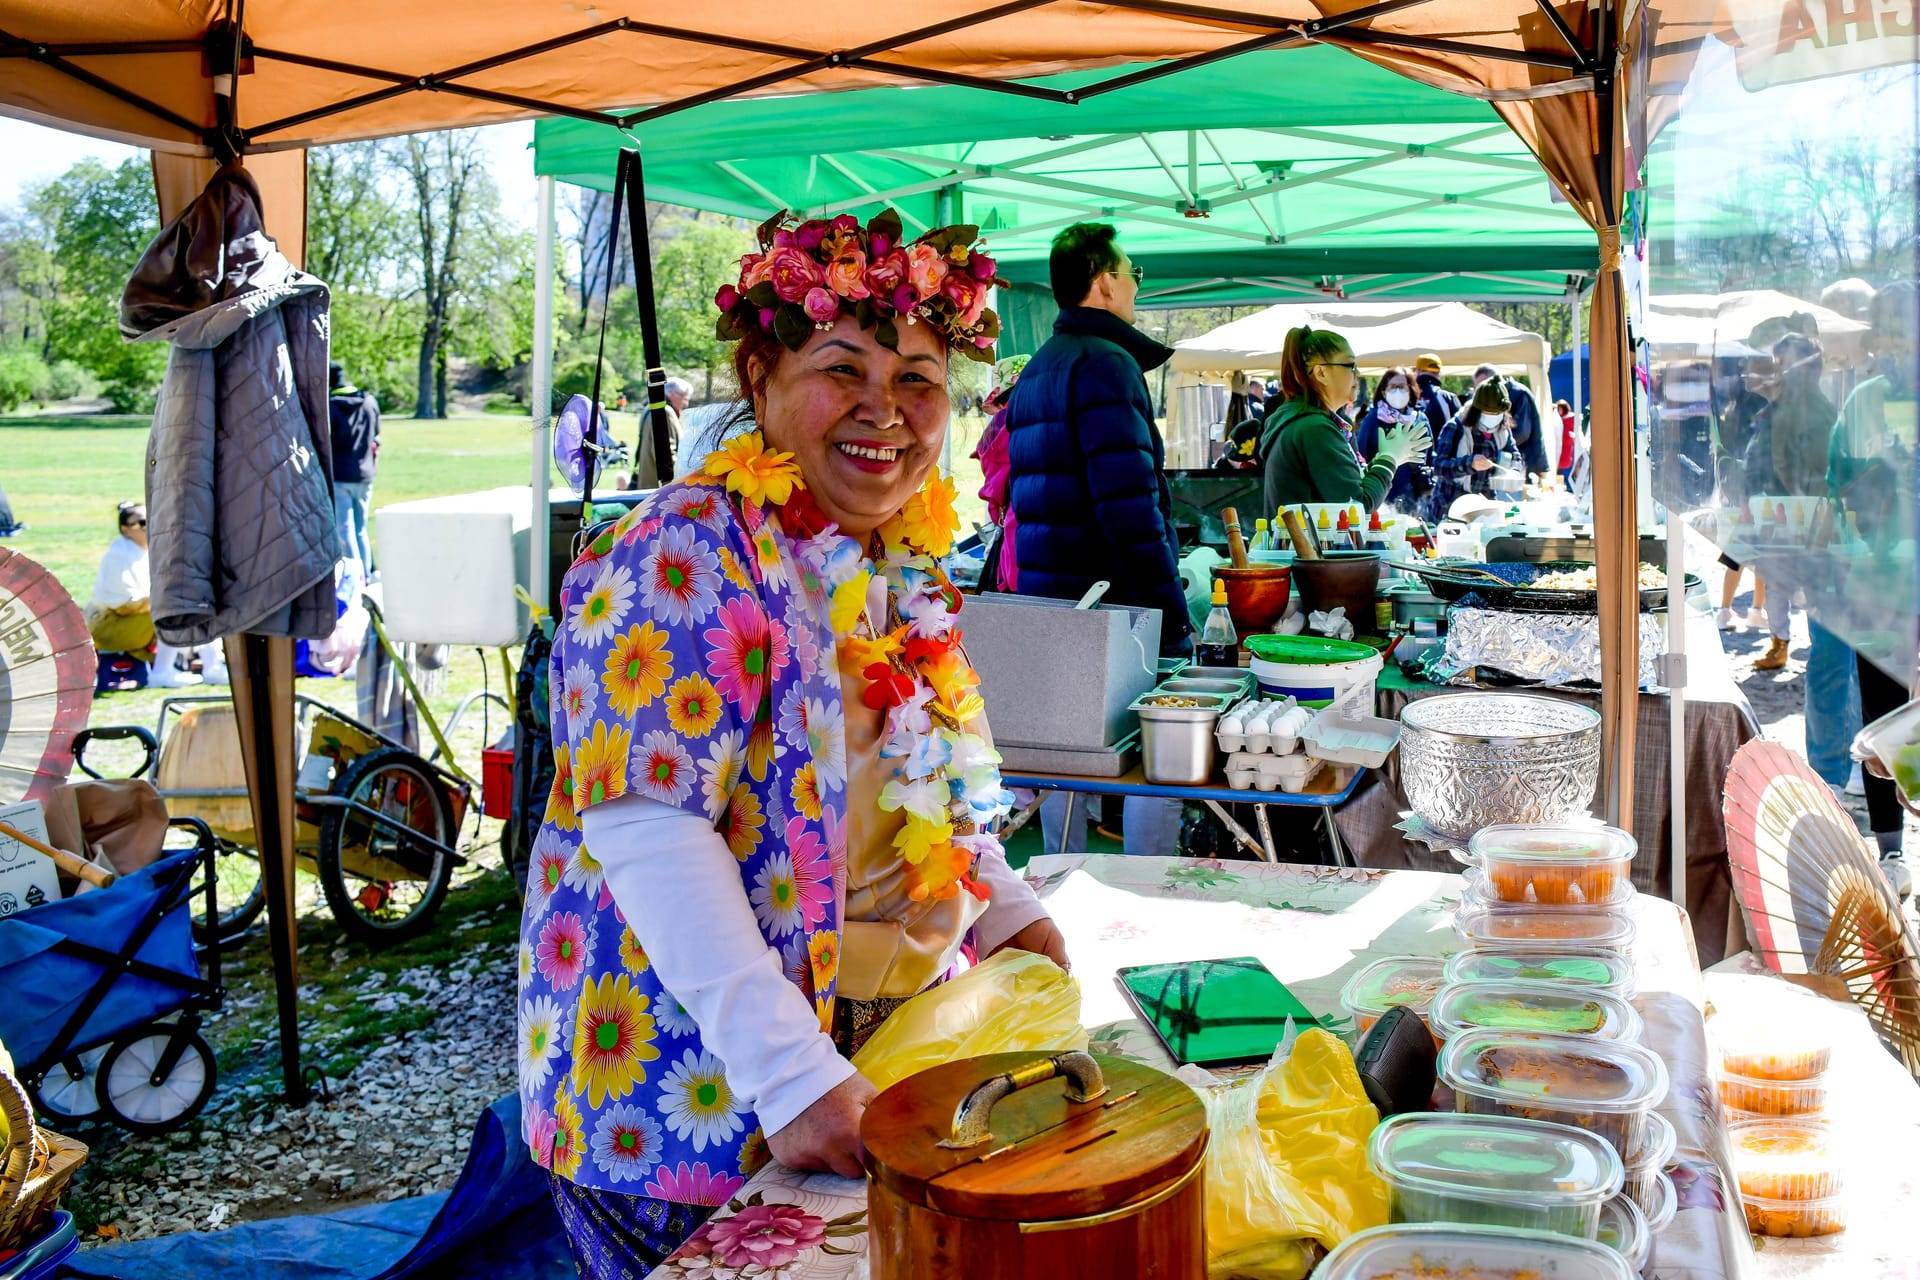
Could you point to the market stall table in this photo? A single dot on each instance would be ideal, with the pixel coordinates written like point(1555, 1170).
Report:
point(1327, 790)
point(1719, 722)
point(1314, 927)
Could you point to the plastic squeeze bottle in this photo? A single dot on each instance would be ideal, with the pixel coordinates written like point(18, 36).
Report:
point(1219, 644)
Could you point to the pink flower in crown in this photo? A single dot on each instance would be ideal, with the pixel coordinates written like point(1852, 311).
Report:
point(846, 224)
point(809, 234)
point(753, 269)
point(982, 268)
point(905, 299)
point(847, 275)
point(793, 273)
point(821, 305)
point(728, 298)
point(886, 272)
point(783, 239)
point(968, 295)
point(925, 269)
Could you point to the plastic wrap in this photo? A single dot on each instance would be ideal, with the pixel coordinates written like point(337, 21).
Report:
point(1014, 1002)
point(1287, 1173)
point(1548, 649)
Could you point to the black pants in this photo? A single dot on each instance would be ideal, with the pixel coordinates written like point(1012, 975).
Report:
point(1880, 694)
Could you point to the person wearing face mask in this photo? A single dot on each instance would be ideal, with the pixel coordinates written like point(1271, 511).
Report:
point(1309, 454)
point(1465, 455)
point(1394, 406)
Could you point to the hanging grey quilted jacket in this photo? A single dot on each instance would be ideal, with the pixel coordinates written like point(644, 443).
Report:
point(239, 495)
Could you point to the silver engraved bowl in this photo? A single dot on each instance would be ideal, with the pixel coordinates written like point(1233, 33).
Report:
point(1470, 760)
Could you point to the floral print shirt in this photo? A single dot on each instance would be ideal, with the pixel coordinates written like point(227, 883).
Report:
point(682, 633)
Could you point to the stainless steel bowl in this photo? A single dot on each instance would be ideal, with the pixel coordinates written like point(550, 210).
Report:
point(1469, 760)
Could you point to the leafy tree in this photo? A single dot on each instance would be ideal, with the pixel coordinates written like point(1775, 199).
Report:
point(451, 195)
point(23, 377)
point(100, 221)
point(691, 260)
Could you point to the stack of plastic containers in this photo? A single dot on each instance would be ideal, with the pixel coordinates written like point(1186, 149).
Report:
point(1548, 888)
point(1490, 1171)
point(1772, 1079)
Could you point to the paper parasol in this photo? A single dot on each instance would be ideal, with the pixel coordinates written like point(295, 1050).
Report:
point(1812, 892)
point(574, 444)
point(47, 668)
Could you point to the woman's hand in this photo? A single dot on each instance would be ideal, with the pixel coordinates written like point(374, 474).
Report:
point(1481, 462)
point(826, 1136)
point(1042, 938)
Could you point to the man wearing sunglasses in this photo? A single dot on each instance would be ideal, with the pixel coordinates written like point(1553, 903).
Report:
point(1089, 495)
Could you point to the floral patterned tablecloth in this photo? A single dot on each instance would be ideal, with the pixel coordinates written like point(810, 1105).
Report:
point(1314, 927)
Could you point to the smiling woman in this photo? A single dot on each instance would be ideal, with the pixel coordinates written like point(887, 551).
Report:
point(775, 769)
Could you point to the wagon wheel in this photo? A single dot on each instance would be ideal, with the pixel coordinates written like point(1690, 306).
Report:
point(240, 891)
point(381, 885)
point(155, 1077)
point(67, 1092)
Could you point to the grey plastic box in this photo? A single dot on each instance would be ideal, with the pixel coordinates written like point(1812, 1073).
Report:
point(1056, 676)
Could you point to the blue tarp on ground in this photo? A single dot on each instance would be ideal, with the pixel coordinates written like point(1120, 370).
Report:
point(498, 1222)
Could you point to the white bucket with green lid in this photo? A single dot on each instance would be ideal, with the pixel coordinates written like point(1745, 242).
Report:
point(1314, 671)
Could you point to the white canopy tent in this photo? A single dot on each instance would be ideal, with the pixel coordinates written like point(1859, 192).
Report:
point(1746, 322)
point(1382, 334)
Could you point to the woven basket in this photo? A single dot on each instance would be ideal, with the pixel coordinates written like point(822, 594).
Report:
point(35, 1170)
point(16, 1150)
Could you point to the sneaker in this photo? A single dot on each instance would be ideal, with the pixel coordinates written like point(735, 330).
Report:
point(1856, 781)
point(1756, 618)
point(169, 676)
point(1724, 619)
point(1894, 867)
point(1774, 658)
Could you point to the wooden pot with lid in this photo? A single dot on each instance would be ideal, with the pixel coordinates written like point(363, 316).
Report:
point(1026, 1167)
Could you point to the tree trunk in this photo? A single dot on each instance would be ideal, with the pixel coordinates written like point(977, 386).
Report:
point(440, 383)
point(429, 351)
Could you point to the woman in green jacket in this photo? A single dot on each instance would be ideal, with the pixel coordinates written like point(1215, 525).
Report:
point(1308, 451)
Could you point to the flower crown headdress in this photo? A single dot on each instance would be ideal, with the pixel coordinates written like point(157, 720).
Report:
point(808, 275)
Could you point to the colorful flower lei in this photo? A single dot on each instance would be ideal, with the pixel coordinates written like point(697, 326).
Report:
point(949, 782)
point(809, 274)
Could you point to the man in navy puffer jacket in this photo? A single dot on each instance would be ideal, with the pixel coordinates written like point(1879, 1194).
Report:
point(1088, 490)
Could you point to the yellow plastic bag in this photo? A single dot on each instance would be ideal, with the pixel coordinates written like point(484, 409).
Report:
point(1013, 1002)
point(1287, 1164)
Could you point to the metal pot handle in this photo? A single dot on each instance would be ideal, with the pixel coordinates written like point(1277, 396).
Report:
point(973, 1118)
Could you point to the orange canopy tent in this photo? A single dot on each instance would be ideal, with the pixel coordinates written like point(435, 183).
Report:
point(200, 81)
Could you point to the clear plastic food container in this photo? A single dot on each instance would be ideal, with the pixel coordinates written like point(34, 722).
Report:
point(1647, 1182)
point(1623, 1229)
point(1506, 928)
point(1601, 970)
point(1608, 1087)
point(1762, 1045)
point(1480, 892)
point(1495, 1172)
point(1795, 1219)
point(1532, 1006)
point(1384, 984)
point(1784, 1160)
point(1550, 864)
point(1662, 1201)
point(1448, 1252)
point(1774, 1097)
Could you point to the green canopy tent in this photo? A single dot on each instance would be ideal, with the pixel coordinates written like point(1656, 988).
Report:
point(1227, 181)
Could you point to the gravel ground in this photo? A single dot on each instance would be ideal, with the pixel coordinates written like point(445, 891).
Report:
point(413, 1051)
point(418, 1044)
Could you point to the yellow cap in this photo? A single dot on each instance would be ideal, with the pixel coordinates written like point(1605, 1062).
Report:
point(1259, 524)
point(1323, 522)
point(1219, 591)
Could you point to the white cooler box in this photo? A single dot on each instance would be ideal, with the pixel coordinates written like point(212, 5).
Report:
point(448, 567)
point(1056, 676)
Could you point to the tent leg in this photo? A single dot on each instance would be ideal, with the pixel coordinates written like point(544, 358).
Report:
point(261, 670)
point(1676, 682)
point(541, 391)
point(1579, 392)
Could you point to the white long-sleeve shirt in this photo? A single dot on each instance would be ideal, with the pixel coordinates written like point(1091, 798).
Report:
point(122, 578)
point(678, 885)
